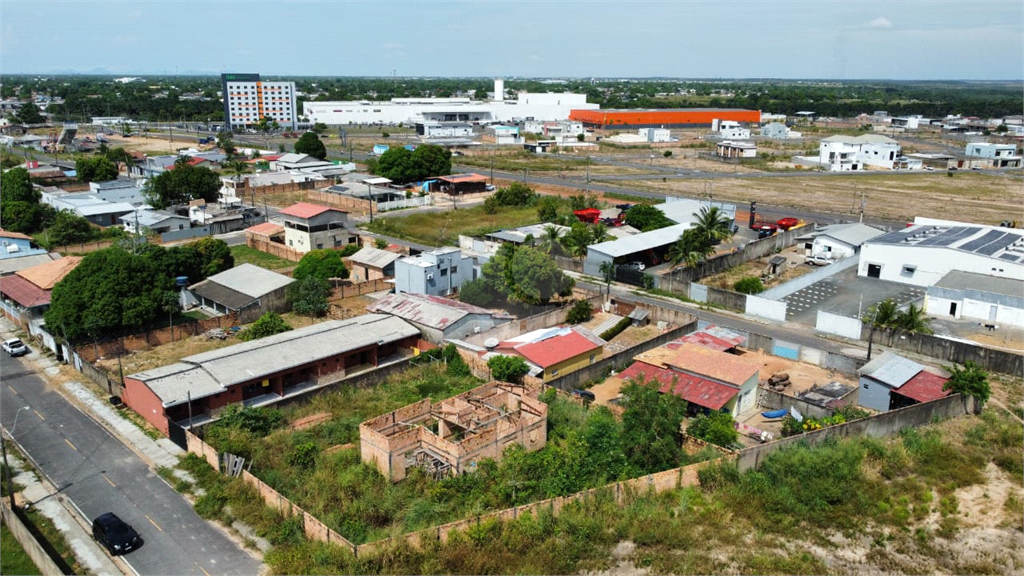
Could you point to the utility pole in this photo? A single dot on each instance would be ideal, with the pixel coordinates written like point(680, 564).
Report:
point(862, 204)
point(369, 199)
point(3, 448)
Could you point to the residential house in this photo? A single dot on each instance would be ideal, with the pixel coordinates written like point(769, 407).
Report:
point(17, 245)
point(372, 264)
point(502, 135)
point(891, 381)
point(453, 436)
point(731, 149)
point(241, 288)
point(12, 264)
point(439, 319)
point(838, 241)
point(778, 131)
point(849, 153)
point(149, 221)
point(315, 227)
point(439, 272)
point(729, 130)
point(553, 352)
point(1000, 155)
point(93, 208)
point(658, 134)
point(263, 371)
point(26, 293)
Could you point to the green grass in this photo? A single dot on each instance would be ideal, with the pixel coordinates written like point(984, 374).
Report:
point(631, 198)
point(15, 559)
point(247, 255)
point(444, 228)
point(522, 161)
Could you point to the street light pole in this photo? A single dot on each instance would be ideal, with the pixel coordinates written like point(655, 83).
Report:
point(3, 448)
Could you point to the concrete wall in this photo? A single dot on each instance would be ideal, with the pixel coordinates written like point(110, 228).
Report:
point(771, 309)
point(720, 263)
point(839, 325)
point(775, 400)
point(24, 537)
point(876, 426)
point(1002, 361)
point(196, 232)
point(783, 290)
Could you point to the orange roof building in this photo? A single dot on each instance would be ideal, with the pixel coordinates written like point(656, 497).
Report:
point(662, 118)
point(711, 365)
point(47, 275)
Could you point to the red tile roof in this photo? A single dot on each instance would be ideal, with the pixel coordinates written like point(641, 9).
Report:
point(556, 349)
point(46, 275)
point(191, 162)
point(268, 158)
point(923, 387)
point(459, 178)
point(710, 363)
point(266, 229)
point(23, 292)
point(693, 389)
point(6, 234)
point(307, 210)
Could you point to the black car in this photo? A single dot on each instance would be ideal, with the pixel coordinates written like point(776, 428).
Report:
point(116, 534)
point(584, 394)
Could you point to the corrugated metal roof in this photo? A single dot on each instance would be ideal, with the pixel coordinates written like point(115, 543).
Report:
point(924, 387)
point(853, 233)
point(958, 280)
point(432, 311)
point(558, 348)
point(306, 210)
point(640, 242)
point(24, 292)
point(693, 389)
point(891, 369)
point(374, 257)
point(250, 280)
point(12, 264)
point(212, 372)
point(230, 299)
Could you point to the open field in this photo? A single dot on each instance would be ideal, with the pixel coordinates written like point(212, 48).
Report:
point(246, 255)
point(793, 269)
point(973, 196)
point(443, 228)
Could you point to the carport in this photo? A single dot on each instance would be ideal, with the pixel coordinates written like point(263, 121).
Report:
point(647, 247)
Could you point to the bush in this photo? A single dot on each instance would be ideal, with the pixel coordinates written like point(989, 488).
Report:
point(667, 153)
point(309, 296)
point(351, 249)
point(323, 264)
point(304, 455)
point(380, 244)
point(508, 368)
point(617, 329)
point(579, 313)
point(267, 325)
point(516, 194)
point(477, 293)
point(749, 285)
point(716, 428)
point(971, 380)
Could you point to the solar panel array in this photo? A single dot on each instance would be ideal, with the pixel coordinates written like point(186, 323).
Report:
point(989, 244)
point(973, 245)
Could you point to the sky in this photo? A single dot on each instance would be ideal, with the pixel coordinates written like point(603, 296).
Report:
point(824, 39)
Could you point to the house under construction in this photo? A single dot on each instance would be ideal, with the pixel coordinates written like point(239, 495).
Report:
point(452, 436)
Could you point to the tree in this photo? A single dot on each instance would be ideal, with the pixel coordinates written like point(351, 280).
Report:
point(971, 380)
point(667, 153)
point(508, 368)
point(515, 194)
point(712, 226)
point(581, 137)
point(170, 304)
point(645, 218)
point(267, 325)
point(16, 186)
point(607, 270)
point(380, 243)
point(882, 315)
point(181, 185)
point(550, 241)
point(70, 228)
point(477, 293)
point(226, 143)
point(95, 169)
point(547, 208)
point(579, 313)
point(576, 240)
point(749, 285)
point(29, 114)
point(309, 296)
point(321, 264)
point(432, 160)
point(20, 210)
point(715, 427)
point(690, 249)
point(309, 143)
point(320, 128)
point(212, 255)
point(537, 278)
point(913, 321)
point(119, 156)
point(650, 426)
point(397, 164)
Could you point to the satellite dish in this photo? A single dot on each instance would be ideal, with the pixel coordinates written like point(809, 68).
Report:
point(491, 343)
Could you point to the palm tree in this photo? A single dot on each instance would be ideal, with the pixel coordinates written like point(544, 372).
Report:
point(689, 249)
point(913, 321)
point(712, 225)
point(607, 270)
point(598, 233)
point(883, 315)
point(550, 239)
point(237, 168)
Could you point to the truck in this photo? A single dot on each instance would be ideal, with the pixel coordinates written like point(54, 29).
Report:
point(587, 215)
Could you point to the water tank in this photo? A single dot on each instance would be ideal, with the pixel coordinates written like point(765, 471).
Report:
point(491, 343)
point(181, 281)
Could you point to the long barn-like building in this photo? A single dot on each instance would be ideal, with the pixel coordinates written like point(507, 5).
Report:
point(667, 118)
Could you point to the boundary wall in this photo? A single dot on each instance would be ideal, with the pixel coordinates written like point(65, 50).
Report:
point(32, 547)
point(945, 349)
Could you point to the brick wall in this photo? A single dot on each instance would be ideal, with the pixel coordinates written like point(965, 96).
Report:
point(151, 338)
point(272, 248)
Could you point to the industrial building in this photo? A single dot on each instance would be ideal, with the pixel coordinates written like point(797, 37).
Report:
point(926, 252)
point(453, 436)
point(838, 241)
point(247, 100)
point(667, 118)
point(526, 106)
point(265, 370)
point(647, 247)
point(986, 299)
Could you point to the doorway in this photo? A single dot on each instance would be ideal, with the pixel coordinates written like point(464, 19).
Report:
point(874, 270)
point(952, 309)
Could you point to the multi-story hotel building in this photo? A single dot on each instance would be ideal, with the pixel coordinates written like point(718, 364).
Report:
point(247, 100)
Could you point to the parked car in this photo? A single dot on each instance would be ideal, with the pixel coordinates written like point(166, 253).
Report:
point(634, 265)
point(15, 347)
point(787, 223)
point(584, 394)
point(115, 534)
point(818, 260)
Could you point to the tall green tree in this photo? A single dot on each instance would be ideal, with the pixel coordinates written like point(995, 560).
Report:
point(547, 208)
point(432, 160)
point(397, 164)
point(322, 264)
point(119, 156)
point(309, 296)
point(16, 186)
point(883, 315)
point(537, 278)
point(650, 426)
point(712, 225)
point(181, 185)
point(20, 209)
point(550, 240)
point(607, 270)
point(913, 320)
point(95, 169)
point(971, 380)
point(309, 143)
point(70, 228)
point(690, 249)
point(29, 114)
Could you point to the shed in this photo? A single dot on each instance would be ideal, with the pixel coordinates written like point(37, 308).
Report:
point(372, 264)
point(241, 288)
point(881, 376)
point(439, 318)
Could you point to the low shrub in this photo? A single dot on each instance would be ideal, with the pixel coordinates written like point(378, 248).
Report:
point(614, 331)
point(579, 313)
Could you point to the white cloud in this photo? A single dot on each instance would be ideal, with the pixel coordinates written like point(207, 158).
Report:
point(880, 22)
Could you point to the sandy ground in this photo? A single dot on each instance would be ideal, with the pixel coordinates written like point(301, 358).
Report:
point(795, 267)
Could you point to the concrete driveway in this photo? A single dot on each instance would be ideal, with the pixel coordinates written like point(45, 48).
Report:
point(846, 294)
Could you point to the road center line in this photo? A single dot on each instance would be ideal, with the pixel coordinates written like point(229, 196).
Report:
point(158, 527)
point(70, 444)
point(203, 569)
point(38, 414)
point(109, 481)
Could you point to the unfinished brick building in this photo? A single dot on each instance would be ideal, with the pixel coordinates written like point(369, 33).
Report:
point(454, 435)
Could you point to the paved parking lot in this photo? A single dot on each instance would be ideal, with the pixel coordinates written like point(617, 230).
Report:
point(846, 294)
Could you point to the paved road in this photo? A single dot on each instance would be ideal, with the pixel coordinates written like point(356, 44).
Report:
point(99, 474)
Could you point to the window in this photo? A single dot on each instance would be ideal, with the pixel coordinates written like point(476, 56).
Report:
point(444, 272)
point(554, 372)
point(455, 270)
point(908, 271)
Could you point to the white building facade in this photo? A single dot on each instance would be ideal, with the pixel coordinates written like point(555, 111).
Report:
point(849, 153)
point(439, 272)
point(247, 100)
point(778, 131)
point(994, 301)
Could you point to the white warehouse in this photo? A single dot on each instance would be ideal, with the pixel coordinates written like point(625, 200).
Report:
point(994, 301)
point(526, 106)
point(923, 254)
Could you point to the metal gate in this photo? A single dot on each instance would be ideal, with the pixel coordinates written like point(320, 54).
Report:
point(177, 435)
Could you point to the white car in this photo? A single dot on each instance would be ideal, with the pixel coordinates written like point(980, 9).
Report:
point(15, 347)
point(635, 265)
point(818, 260)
